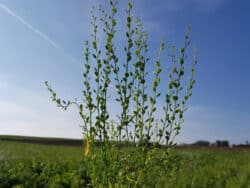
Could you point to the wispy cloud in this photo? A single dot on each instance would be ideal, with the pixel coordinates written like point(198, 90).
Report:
point(179, 5)
point(208, 5)
point(21, 20)
point(41, 34)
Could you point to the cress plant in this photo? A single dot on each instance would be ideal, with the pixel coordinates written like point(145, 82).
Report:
point(107, 76)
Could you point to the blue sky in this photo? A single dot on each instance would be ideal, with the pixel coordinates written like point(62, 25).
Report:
point(43, 40)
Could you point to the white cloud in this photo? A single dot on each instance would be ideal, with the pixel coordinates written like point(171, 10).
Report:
point(211, 124)
point(31, 113)
point(206, 123)
point(3, 81)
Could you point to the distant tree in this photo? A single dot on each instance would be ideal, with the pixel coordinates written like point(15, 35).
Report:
point(201, 143)
point(222, 143)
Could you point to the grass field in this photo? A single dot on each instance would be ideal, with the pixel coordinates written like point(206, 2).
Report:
point(39, 165)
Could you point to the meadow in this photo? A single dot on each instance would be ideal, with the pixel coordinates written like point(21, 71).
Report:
point(49, 165)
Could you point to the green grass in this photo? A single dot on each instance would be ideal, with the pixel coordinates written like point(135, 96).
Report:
point(27, 151)
point(36, 165)
point(211, 168)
